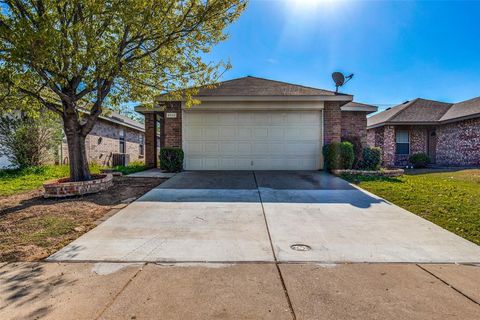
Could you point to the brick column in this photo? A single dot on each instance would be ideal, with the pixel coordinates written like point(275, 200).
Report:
point(150, 140)
point(388, 146)
point(332, 122)
point(354, 124)
point(172, 126)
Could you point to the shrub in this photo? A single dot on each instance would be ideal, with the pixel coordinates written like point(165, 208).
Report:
point(338, 155)
point(171, 159)
point(29, 140)
point(357, 149)
point(419, 160)
point(372, 158)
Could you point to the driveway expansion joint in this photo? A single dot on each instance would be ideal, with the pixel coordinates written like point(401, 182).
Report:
point(140, 269)
point(449, 285)
point(285, 290)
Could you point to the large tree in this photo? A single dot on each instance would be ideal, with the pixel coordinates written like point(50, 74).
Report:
point(80, 55)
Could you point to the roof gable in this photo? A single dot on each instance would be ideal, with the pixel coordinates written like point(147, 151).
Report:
point(253, 86)
point(463, 109)
point(422, 111)
point(417, 111)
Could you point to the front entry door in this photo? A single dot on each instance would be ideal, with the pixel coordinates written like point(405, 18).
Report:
point(432, 144)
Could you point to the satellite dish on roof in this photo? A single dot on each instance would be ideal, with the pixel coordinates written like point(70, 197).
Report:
point(340, 79)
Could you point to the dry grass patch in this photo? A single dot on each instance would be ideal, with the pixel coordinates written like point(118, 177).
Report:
point(32, 228)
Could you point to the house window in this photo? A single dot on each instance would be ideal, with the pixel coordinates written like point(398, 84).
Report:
point(140, 146)
point(402, 142)
point(122, 141)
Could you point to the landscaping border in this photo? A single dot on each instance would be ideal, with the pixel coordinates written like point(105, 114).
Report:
point(376, 173)
point(60, 188)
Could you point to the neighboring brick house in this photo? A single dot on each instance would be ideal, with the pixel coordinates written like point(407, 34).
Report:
point(448, 132)
point(112, 134)
point(252, 123)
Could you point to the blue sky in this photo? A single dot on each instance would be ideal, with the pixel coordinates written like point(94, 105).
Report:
point(398, 50)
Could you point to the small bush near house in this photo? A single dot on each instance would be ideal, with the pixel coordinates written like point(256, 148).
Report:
point(338, 155)
point(372, 158)
point(357, 149)
point(419, 160)
point(171, 159)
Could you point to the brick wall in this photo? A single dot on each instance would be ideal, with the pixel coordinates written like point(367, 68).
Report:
point(371, 134)
point(332, 119)
point(418, 139)
point(354, 123)
point(103, 140)
point(172, 127)
point(458, 143)
point(151, 142)
point(384, 138)
point(388, 146)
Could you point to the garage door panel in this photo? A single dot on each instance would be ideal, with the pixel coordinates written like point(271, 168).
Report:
point(245, 148)
point(211, 163)
point(301, 148)
point(253, 140)
point(260, 133)
point(244, 117)
point(294, 118)
point(276, 148)
point(193, 162)
point(245, 133)
point(227, 118)
point(261, 148)
point(211, 133)
point(277, 119)
point(228, 148)
point(194, 133)
point(276, 133)
point(211, 148)
point(194, 148)
point(228, 132)
point(194, 118)
point(261, 118)
point(293, 134)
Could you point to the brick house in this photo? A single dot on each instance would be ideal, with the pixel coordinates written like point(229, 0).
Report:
point(449, 133)
point(252, 123)
point(112, 134)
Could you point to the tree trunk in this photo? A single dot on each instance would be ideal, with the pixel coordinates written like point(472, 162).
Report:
point(77, 154)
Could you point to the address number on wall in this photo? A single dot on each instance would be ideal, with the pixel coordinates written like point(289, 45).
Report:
point(171, 114)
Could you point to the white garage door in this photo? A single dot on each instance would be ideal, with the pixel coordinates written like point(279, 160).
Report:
point(252, 140)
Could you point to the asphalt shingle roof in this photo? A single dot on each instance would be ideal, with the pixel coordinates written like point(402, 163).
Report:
point(463, 109)
point(425, 111)
point(253, 86)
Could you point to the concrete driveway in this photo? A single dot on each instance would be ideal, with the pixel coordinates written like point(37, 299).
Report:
point(258, 217)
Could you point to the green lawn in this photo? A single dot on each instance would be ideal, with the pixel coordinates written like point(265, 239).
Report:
point(448, 199)
point(134, 166)
point(20, 180)
point(15, 180)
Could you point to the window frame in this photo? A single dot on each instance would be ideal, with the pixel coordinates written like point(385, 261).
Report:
point(141, 146)
point(402, 143)
point(122, 145)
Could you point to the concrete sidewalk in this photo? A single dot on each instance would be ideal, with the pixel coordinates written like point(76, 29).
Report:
point(238, 291)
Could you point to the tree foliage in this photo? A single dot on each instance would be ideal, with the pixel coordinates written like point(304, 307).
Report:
point(28, 140)
point(71, 54)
